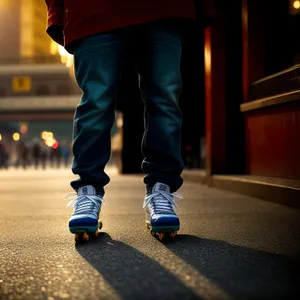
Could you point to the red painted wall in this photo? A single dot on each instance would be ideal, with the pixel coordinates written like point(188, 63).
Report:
point(273, 141)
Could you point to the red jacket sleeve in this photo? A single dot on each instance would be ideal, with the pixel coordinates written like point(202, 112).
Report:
point(55, 12)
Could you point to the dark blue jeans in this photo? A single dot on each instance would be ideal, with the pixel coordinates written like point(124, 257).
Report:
point(98, 62)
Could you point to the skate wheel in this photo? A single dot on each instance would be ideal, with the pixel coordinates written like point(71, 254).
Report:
point(161, 236)
point(152, 233)
point(85, 237)
point(173, 234)
point(76, 237)
point(96, 233)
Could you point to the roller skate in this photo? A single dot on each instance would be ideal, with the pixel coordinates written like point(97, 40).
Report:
point(161, 218)
point(85, 222)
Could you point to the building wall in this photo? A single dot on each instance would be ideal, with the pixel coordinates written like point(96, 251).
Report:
point(10, 29)
point(34, 40)
point(23, 30)
point(273, 143)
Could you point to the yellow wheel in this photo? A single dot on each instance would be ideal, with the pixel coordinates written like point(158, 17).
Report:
point(76, 237)
point(161, 236)
point(96, 233)
point(173, 234)
point(85, 237)
point(153, 233)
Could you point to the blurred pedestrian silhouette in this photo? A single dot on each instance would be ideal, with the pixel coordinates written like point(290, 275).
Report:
point(22, 155)
point(4, 156)
point(36, 152)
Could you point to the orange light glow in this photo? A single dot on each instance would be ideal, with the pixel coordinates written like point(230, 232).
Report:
point(296, 4)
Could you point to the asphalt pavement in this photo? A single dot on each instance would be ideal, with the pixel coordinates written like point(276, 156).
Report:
point(229, 247)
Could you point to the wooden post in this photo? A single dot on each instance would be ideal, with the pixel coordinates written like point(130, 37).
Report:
point(224, 91)
point(215, 97)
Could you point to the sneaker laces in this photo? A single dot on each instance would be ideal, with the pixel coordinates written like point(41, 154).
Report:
point(90, 204)
point(162, 202)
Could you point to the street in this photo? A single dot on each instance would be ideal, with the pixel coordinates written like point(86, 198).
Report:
point(229, 246)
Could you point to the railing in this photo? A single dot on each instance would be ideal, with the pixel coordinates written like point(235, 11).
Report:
point(30, 60)
point(39, 103)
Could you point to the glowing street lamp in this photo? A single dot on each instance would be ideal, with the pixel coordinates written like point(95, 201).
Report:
point(16, 136)
point(44, 135)
point(296, 4)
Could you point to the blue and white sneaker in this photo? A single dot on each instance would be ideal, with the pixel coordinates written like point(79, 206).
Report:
point(85, 218)
point(161, 218)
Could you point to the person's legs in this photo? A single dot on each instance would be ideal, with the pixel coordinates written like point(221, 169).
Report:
point(160, 78)
point(159, 67)
point(97, 61)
